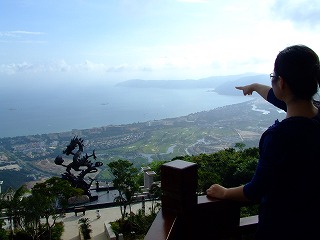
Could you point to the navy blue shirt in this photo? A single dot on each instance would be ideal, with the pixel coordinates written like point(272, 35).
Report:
point(287, 179)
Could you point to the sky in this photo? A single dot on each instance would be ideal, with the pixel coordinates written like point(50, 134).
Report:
point(53, 41)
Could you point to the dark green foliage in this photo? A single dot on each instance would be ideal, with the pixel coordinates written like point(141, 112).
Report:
point(227, 167)
point(240, 146)
point(125, 181)
point(14, 179)
point(154, 166)
point(249, 210)
point(3, 232)
point(22, 235)
point(57, 230)
point(14, 207)
point(85, 228)
point(26, 212)
point(53, 189)
point(134, 226)
point(124, 174)
point(41, 203)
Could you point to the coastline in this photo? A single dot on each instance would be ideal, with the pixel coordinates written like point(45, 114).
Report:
point(30, 125)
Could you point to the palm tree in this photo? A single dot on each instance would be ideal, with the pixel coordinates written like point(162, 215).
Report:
point(13, 209)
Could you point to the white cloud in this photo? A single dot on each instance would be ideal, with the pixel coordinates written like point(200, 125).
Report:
point(19, 33)
point(61, 66)
point(194, 1)
point(298, 11)
point(20, 36)
point(16, 68)
point(90, 66)
point(220, 37)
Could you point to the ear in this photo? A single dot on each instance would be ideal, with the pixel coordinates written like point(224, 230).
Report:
point(282, 83)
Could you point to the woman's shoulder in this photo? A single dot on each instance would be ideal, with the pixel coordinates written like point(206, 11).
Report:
point(272, 130)
point(293, 125)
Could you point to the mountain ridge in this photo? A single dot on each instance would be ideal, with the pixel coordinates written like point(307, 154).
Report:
point(223, 85)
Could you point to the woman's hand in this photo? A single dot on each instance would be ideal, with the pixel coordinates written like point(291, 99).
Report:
point(217, 191)
point(247, 90)
point(261, 89)
point(220, 192)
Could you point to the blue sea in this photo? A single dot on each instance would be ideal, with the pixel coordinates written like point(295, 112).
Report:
point(58, 110)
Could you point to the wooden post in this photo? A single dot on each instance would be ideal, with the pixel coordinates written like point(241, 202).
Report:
point(179, 182)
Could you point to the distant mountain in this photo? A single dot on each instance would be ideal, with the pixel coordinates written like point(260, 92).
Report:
point(209, 82)
point(228, 88)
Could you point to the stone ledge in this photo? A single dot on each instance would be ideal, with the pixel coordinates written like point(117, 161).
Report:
point(109, 232)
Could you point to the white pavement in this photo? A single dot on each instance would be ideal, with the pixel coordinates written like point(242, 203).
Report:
point(71, 227)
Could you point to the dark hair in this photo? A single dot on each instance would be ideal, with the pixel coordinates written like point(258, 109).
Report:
point(299, 66)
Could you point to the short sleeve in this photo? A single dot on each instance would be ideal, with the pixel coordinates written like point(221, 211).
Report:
point(271, 98)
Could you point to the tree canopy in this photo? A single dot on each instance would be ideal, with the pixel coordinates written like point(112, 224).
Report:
point(125, 181)
point(227, 167)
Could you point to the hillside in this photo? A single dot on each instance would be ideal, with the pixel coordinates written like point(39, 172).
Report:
point(202, 132)
point(214, 82)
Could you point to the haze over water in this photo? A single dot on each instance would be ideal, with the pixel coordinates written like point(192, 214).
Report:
point(29, 113)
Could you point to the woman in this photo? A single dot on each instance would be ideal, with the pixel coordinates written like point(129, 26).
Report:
point(287, 178)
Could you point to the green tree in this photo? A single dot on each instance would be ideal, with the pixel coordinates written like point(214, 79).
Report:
point(31, 209)
point(43, 203)
point(240, 146)
point(85, 228)
point(13, 209)
point(26, 209)
point(227, 167)
point(155, 194)
point(125, 181)
point(156, 167)
point(3, 232)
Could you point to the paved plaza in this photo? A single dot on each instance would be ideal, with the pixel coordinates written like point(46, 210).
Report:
point(108, 214)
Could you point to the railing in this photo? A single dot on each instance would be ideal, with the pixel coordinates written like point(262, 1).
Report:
point(184, 215)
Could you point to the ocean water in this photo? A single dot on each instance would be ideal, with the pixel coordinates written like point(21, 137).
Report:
point(57, 110)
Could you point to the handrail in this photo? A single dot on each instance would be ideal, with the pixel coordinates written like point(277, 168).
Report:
point(162, 227)
point(165, 227)
point(184, 215)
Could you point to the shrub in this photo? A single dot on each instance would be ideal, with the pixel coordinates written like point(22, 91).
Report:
point(57, 230)
point(134, 226)
point(3, 234)
point(85, 227)
point(22, 235)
